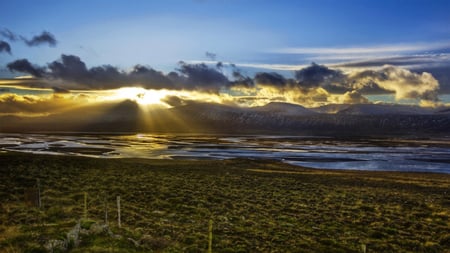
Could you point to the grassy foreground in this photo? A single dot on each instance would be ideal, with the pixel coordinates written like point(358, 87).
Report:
point(255, 206)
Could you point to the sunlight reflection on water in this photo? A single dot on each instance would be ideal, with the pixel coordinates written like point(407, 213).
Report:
point(428, 155)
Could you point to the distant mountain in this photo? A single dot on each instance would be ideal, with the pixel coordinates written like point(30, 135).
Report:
point(284, 108)
point(378, 109)
point(273, 118)
point(384, 109)
point(443, 110)
point(330, 108)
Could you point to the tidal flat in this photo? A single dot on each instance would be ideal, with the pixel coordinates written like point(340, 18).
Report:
point(254, 205)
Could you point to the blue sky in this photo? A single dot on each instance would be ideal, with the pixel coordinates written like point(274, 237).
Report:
point(269, 36)
point(160, 33)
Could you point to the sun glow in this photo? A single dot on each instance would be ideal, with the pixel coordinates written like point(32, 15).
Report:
point(141, 96)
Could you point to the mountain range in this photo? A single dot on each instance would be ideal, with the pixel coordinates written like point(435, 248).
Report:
point(275, 118)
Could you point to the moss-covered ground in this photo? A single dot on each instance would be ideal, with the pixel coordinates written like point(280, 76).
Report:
point(255, 206)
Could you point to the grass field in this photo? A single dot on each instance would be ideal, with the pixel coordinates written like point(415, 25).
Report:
point(255, 206)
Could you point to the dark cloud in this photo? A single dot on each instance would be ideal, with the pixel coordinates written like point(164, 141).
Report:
point(270, 79)
point(70, 71)
point(8, 35)
point(311, 77)
point(202, 77)
point(44, 38)
point(24, 66)
point(71, 68)
point(5, 47)
point(317, 75)
point(241, 80)
point(149, 77)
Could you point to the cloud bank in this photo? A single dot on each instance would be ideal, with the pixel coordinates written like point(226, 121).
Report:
point(313, 85)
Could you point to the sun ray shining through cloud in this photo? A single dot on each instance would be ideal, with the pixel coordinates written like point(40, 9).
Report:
point(50, 71)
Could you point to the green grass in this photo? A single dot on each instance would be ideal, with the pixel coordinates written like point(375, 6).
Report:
point(256, 206)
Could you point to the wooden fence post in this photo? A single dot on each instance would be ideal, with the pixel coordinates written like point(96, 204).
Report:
point(106, 211)
point(210, 234)
point(38, 182)
point(118, 212)
point(85, 206)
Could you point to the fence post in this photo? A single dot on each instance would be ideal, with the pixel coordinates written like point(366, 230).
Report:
point(38, 182)
point(118, 212)
point(210, 234)
point(85, 206)
point(106, 211)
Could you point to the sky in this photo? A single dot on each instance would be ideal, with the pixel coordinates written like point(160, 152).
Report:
point(240, 53)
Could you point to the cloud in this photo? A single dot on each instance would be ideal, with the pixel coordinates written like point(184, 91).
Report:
point(403, 82)
point(317, 84)
point(202, 77)
point(5, 47)
point(70, 70)
point(351, 97)
point(44, 38)
point(241, 80)
point(317, 75)
point(365, 50)
point(29, 104)
point(313, 85)
point(271, 79)
point(441, 73)
point(8, 35)
point(23, 65)
point(437, 65)
point(410, 61)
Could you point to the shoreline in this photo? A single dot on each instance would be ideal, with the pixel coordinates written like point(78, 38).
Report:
point(316, 152)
